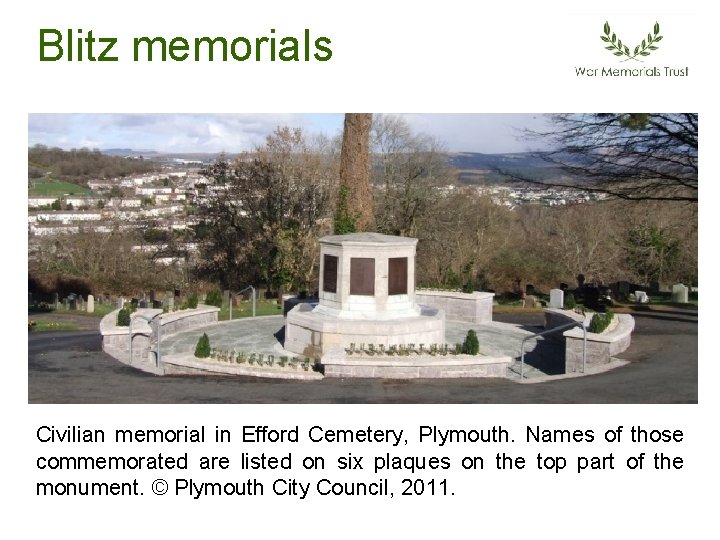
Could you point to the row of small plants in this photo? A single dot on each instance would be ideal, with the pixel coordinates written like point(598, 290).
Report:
point(446, 289)
point(470, 346)
point(203, 350)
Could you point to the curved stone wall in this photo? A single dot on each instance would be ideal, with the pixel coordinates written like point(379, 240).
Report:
point(116, 343)
point(600, 348)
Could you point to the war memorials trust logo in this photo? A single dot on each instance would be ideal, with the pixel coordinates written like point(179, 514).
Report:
point(633, 57)
point(615, 44)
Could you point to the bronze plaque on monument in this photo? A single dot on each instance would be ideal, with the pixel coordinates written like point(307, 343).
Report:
point(362, 276)
point(397, 275)
point(330, 264)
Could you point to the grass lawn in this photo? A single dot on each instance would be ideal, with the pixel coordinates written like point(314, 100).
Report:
point(245, 310)
point(45, 187)
point(511, 308)
point(655, 306)
point(51, 326)
point(619, 307)
point(100, 311)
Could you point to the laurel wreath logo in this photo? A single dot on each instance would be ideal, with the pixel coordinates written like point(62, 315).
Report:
point(615, 44)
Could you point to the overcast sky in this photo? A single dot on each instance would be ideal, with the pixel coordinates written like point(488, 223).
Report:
point(487, 133)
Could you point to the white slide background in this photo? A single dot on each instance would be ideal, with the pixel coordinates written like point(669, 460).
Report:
point(387, 57)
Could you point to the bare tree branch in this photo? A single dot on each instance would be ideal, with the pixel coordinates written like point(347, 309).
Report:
point(634, 156)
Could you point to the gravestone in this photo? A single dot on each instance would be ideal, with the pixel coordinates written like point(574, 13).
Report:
point(91, 304)
point(623, 288)
point(529, 301)
point(557, 298)
point(142, 304)
point(642, 297)
point(591, 297)
point(55, 299)
point(679, 293)
point(120, 302)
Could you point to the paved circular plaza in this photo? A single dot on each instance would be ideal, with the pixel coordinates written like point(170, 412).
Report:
point(265, 335)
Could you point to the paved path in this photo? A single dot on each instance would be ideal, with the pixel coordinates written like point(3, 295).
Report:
point(70, 368)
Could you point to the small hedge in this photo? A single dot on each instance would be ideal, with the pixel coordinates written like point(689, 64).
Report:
point(123, 317)
point(471, 344)
point(214, 298)
point(600, 322)
point(191, 302)
point(569, 302)
point(202, 350)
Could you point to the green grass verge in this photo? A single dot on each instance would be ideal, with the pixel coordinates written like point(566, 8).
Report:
point(245, 310)
point(44, 187)
point(51, 326)
point(100, 311)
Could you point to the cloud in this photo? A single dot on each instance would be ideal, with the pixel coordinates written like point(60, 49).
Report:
point(475, 132)
point(199, 132)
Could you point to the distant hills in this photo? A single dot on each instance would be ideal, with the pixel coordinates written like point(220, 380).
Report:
point(473, 168)
point(474, 160)
point(204, 157)
point(477, 168)
point(125, 152)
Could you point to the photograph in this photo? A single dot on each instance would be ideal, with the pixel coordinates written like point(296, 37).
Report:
point(363, 258)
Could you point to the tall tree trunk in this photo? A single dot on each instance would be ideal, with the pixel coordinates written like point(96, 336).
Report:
point(355, 169)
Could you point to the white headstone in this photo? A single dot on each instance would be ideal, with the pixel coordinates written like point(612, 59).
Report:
point(91, 304)
point(642, 297)
point(680, 293)
point(120, 303)
point(557, 298)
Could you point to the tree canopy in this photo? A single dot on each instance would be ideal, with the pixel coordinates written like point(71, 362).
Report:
point(632, 156)
point(264, 212)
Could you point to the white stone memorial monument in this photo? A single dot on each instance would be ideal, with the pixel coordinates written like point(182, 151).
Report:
point(367, 296)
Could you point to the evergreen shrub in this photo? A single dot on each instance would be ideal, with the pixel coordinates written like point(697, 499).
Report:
point(471, 344)
point(214, 298)
point(202, 350)
point(123, 317)
point(600, 322)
